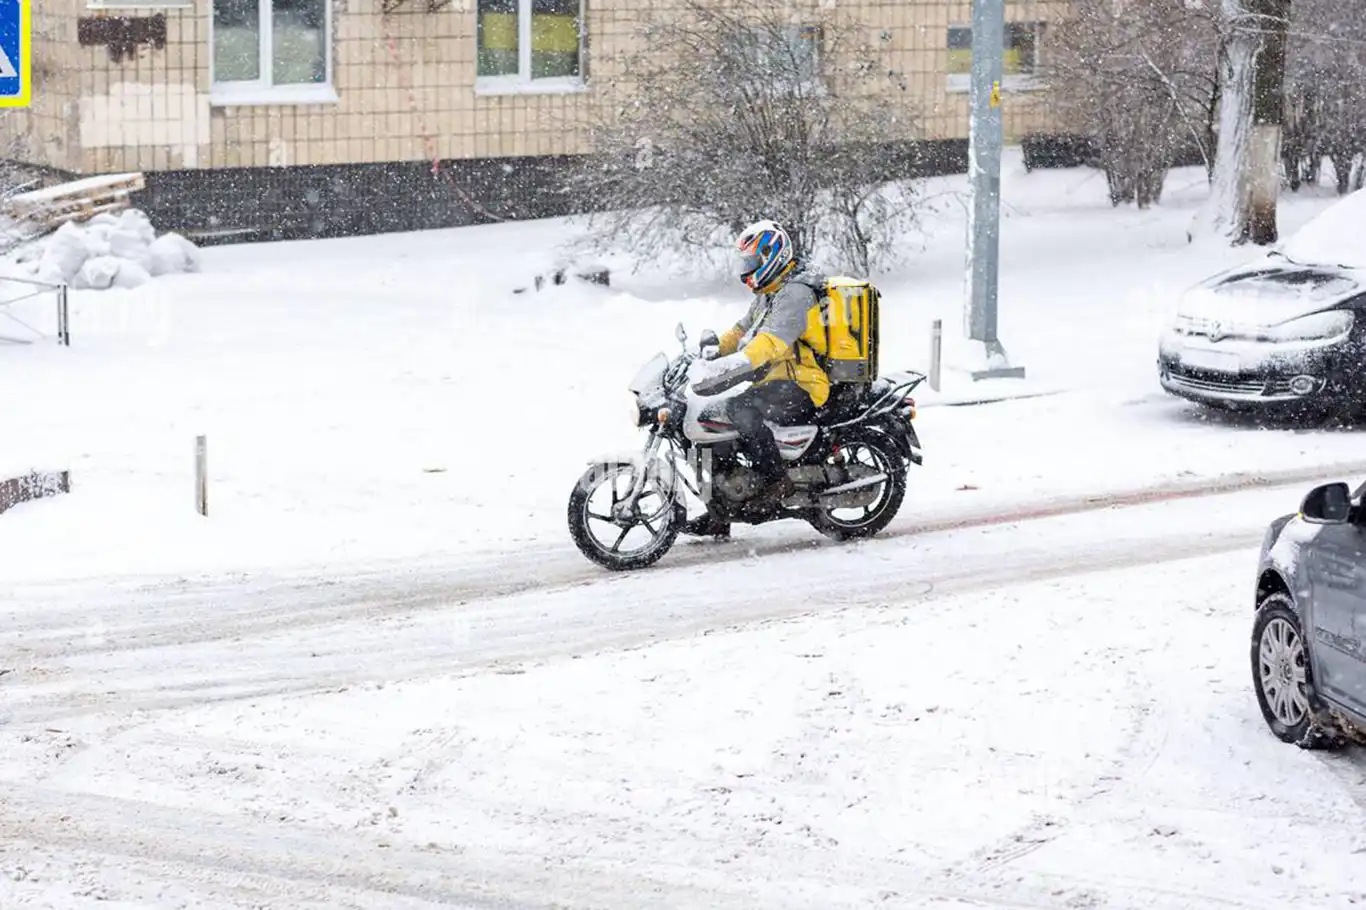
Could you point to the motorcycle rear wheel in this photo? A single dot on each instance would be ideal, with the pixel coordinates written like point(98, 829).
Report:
point(887, 460)
point(655, 512)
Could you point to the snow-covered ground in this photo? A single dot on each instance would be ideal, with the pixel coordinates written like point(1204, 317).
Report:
point(378, 676)
point(391, 397)
point(1054, 714)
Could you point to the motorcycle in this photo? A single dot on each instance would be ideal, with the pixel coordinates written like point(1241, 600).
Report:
point(853, 457)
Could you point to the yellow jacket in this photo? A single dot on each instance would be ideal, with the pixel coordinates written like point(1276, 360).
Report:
point(782, 331)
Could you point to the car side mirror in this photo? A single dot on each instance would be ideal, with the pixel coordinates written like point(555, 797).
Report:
point(1330, 504)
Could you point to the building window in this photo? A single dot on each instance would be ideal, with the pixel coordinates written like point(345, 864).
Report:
point(796, 58)
point(530, 45)
point(272, 51)
point(1020, 63)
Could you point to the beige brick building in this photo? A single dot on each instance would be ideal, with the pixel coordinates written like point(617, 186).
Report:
point(279, 102)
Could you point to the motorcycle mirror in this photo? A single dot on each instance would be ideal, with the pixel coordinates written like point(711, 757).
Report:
point(709, 338)
point(681, 334)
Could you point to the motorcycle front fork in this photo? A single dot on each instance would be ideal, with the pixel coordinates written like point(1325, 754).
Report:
point(699, 464)
point(626, 507)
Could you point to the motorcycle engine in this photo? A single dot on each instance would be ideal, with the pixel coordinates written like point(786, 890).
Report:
point(737, 484)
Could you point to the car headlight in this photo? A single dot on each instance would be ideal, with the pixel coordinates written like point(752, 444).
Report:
point(1318, 327)
point(1181, 325)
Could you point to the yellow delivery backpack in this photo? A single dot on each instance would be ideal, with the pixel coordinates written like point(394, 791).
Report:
point(846, 318)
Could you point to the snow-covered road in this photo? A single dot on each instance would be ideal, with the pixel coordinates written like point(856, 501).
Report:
point(165, 643)
point(1051, 713)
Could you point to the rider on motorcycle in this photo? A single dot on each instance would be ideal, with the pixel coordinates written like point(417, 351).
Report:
point(766, 346)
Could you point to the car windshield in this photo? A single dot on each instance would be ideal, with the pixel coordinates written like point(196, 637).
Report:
point(1333, 238)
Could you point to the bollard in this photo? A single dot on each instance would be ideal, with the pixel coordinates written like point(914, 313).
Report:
point(936, 352)
point(63, 318)
point(201, 475)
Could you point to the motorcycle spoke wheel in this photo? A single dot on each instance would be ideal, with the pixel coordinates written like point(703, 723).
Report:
point(866, 457)
point(878, 457)
point(621, 541)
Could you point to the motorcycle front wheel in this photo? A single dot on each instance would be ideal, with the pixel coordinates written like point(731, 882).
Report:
point(601, 534)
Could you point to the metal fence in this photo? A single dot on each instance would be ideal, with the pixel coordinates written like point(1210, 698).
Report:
point(28, 289)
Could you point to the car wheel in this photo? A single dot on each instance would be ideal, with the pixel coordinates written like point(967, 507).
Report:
point(1280, 669)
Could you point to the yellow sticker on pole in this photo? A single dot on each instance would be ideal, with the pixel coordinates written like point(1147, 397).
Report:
point(996, 93)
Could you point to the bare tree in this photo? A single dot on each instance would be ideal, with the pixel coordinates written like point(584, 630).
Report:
point(726, 114)
point(1138, 77)
point(1268, 115)
point(15, 178)
point(1246, 184)
point(1325, 93)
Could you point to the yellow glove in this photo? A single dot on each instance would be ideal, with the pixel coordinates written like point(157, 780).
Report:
point(730, 341)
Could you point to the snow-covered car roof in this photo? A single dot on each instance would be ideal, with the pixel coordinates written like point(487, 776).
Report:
point(1337, 236)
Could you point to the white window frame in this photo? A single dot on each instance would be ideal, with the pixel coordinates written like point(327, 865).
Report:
point(261, 91)
point(960, 83)
point(139, 4)
point(522, 83)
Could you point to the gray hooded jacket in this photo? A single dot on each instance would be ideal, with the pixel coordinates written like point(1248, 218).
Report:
point(783, 314)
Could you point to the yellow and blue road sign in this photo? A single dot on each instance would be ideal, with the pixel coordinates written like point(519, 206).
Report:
point(16, 86)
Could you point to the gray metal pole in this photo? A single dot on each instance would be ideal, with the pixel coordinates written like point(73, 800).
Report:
point(201, 475)
point(936, 352)
point(63, 317)
point(984, 169)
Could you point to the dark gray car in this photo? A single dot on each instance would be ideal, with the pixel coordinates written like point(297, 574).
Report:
point(1309, 637)
point(1285, 333)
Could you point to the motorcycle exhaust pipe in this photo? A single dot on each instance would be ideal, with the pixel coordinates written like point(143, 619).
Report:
point(854, 485)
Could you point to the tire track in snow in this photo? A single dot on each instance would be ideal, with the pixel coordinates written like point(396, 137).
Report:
point(220, 848)
point(215, 852)
point(523, 636)
point(1150, 725)
point(215, 849)
point(303, 603)
point(1161, 706)
point(207, 849)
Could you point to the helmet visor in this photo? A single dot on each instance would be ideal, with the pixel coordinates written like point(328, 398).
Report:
point(747, 263)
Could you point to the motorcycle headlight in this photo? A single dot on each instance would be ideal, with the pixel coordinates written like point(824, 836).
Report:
point(637, 418)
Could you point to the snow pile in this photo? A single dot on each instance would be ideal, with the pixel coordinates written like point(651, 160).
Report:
point(108, 251)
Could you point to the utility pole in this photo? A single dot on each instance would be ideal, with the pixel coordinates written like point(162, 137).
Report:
point(984, 169)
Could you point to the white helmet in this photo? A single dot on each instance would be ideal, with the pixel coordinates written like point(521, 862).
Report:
point(765, 253)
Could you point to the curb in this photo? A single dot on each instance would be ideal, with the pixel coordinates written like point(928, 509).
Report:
point(1135, 497)
point(973, 402)
point(35, 485)
point(950, 518)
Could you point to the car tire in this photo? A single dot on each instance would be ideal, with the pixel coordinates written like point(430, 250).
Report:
point(1281, 676)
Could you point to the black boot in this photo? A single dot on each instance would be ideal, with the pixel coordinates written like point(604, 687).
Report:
point(707, 525)
point(769, 462)
point(777, 489)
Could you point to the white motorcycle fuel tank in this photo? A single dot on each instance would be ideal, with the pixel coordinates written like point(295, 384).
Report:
point(705, 421)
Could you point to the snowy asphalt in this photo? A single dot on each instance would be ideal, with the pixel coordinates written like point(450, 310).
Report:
point(102, 675)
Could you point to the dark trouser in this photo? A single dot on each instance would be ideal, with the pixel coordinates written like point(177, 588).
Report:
point(781, 401)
